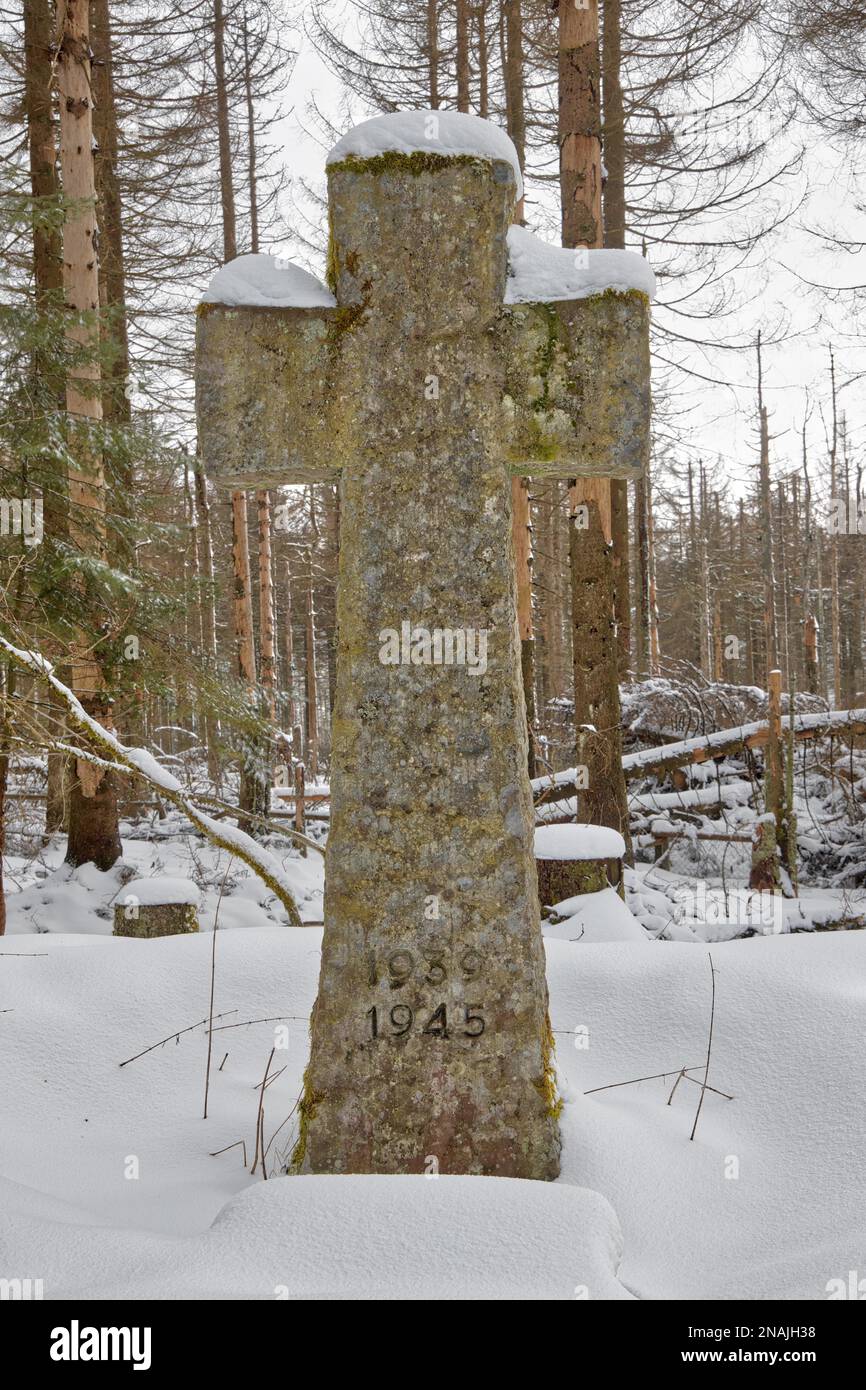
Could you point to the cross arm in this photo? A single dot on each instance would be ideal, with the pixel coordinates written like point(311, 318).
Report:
point(577, 386)
point(267, 394)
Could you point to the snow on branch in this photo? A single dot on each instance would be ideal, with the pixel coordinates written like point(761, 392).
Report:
point(140, 763)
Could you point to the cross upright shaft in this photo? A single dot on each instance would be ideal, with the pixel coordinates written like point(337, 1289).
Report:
point(430, 1034)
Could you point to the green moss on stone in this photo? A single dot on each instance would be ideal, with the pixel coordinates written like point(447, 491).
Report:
point(306, 1111)
point(344, 319)
point(544, 447)
point(546, 1085)
point(332, 265)
point(546, 356)
point(396, 162)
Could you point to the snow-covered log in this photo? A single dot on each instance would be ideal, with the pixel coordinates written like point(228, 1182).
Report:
point(656, 761)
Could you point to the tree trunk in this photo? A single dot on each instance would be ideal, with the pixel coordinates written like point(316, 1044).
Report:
point(515, 104)
point(810, 653)
point(462, 55)
point(243, 604)
point(621, 576)
point(56, 799)
point(835, 624)
point(614, 236)
point(643, 644)
point(703, 587)
point(771, 637)
point(521, 522)
point(521, 527)
point(614, 127)
point(579, 125)
point(819, 614)
point(204, 540)
point(252, 796)
point(311, 685)
point(596, 688)
point(288, 652)
point(48, 281)
point(8, 695)
point(595, 649)
point(483, 65)
point(47, 269)
point(252, 177)
point(93, 827)
point(327, 611)
point(266, 606)
point(112, 272)
point(227, 195)
point(655, 653)
point(433, 53)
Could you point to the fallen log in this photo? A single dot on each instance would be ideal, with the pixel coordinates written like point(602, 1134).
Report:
point(721, 744)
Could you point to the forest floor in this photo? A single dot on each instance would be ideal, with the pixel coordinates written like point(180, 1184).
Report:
point(110, 1186)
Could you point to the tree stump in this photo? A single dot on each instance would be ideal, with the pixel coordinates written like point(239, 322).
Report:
point(573, 859)
point(157, 907)
point(764, 873)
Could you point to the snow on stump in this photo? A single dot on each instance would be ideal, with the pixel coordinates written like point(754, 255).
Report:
point(593, 918)
point(574, 859)
point(425, 376)
point(157, 907)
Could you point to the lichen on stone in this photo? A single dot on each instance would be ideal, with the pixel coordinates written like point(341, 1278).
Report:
point(397, 162)
point(546, 1084)
point(307, 1105)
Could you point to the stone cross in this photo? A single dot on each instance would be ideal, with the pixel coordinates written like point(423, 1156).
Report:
point(422, 390)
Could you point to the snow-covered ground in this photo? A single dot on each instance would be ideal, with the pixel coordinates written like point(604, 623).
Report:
point(110, 1189)
point(45, 895)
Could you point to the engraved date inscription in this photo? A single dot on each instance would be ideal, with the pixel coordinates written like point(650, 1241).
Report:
point(400, 1020)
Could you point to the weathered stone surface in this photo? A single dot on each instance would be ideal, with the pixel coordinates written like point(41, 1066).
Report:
point(578, 386)
point(267, 394)
point(430, 1036)
point(576, 395)
point(155, 919)
point(430, 1033)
